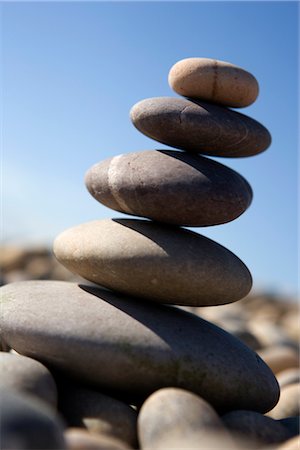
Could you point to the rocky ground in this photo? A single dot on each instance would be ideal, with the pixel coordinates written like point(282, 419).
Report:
point(171, 417)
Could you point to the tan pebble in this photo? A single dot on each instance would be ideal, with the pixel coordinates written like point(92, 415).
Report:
point(11, 258)
point(288, 376)
point(291, 444)
point(80, 439)
point(279, 358)
point(214, 81)
point(288, 404)
point(269, 333)
point(39, 268)
point(171, 413)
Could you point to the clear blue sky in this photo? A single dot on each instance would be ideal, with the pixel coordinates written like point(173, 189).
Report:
point(71, 73)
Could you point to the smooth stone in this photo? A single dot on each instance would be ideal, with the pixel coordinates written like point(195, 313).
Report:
point(157, 262)
point(28, 424)
point(292, 424)
point(99, 413)
point(288, 376)
point(171, 187)
point(255, 426)
point(199, 127)
point(280, 358)
point(27, 375)
point(291, 444)
point(177, 413)
point(122, 344)
point(214, 81)
point(289, 404)
point(80, 439)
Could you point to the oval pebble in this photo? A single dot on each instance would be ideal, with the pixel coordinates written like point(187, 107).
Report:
point(26, 375)
point(289, 402)
point(99, 413)
point(279, 357)
point(175, 413)
point(171, 187)
point(199, 127)
point(80, 439)
point(152, 261)
point(214, 81)
point(288, 376)
point(255, 426)
point(117, 343)
point(28, 423)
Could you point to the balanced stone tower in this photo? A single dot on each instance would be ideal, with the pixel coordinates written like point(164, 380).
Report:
point(121, 337)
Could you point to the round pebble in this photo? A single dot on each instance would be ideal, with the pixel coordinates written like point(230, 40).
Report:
point(153, 261)
point(28, 424)
point(133, 347)
point(27, 375)
point(199, 127)
point(214, 81)
point(176, 413)
point(255, 426)
point(80, 439)
point(289, 402)
point(180, 188)
point(99, 413)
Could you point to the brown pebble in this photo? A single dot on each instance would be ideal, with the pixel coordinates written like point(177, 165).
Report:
point(80, 439)
point(288, 376)
point(279, 358)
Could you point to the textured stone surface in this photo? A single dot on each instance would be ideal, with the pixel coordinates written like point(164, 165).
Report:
point(170, 186)
point(27, 375)
point(289, 402)
point(199, 127)
point(131, 346)
point(28, 424)
point(80, 439)
point(172, 412)
point(99, 413)
point(255, 426)
point(153, 261)
point(214, 81)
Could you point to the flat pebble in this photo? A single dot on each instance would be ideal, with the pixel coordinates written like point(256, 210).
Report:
point(80, 439)
point(28, 424)
point(214, 81)
point(157, 262)
point(171, 187)
point(99, 413)
point(289, 402)
point(133, 347)
point(199, 127)
point(175, 413)
point(255, 426)
point(24, 374)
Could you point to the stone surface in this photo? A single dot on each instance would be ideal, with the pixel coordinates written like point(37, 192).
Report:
point(214, 81)
point(291, 444)
point(280, 358)
point(288, 376)
point(28, 424)
point(133, 347)
point(255, 426)
point(292, 424)
point(157, 262)
point(171, 187)
point(173, 412)
point(26, 375)
point(80, 439)
point(289, 402)
point(99, 413)
point(199, 127)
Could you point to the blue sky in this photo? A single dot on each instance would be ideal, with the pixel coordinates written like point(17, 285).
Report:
point(72, 71)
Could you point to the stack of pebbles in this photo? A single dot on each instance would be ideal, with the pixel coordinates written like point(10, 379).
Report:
point(119, 344)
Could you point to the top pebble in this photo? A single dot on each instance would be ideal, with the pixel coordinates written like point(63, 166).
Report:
point(214, 81)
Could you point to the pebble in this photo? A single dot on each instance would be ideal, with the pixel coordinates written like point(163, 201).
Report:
point(292, 424)
point(255, 426)
point(171, 187)
point(133, 347)
point(26, 375)
point(280, 358)
point(80, 439)
point(28, 424)
point(291, 444)
point(157, 262)
point(199, 127)
point(99, 413)
point(214, 81)
point(178, 414)
point(288, 376)
point(289, 402)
